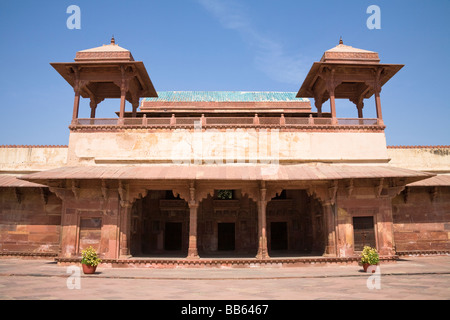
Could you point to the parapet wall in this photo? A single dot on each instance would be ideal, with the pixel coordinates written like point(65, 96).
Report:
point(423, 158)
point(31, 158)
point(225, 146)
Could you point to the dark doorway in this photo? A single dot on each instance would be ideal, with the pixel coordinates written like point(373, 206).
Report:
point(173, 236)
point(364, 232)
point(278, 236)
point(226, 237)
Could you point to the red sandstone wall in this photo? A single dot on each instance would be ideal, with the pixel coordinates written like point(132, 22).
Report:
point(29, 222)
point(422, 220)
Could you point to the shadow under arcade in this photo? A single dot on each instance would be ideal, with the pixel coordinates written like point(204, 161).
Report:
point(227, 225)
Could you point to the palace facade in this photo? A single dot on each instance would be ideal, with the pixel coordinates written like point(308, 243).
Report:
point(211, 178)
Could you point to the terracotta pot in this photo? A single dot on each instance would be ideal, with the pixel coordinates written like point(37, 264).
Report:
point(89, 269)
point(367, 265)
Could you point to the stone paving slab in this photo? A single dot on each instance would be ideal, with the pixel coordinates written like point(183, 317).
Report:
point(411, 278)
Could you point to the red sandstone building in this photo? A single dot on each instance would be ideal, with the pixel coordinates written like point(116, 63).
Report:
point(212, 178)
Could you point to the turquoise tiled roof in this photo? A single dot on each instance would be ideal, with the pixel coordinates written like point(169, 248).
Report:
point(224, 96)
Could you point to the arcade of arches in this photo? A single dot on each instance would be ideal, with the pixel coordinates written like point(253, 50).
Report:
point(227, 225)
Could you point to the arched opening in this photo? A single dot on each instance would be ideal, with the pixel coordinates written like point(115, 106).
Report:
point(160, 225)
point(227, 225)
point(294, 225)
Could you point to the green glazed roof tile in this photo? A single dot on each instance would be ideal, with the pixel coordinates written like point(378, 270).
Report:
point(225, 96)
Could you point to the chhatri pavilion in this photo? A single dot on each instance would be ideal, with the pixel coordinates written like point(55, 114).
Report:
point(224, 178)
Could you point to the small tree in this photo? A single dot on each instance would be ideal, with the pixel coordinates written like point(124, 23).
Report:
point(89, 257)
point(370, 255)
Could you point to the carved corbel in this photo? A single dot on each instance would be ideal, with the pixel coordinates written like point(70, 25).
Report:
point(332, 191)
point(406, 193)
point(136, 193)
point(123, 84)
point(18, 195)
point(203, 193)
point(197, 194)
point(376, 82)
point(311, 191)
point(349, 188)
point(318, 102)
point(433, 193)
point(59, 192)
point(330, 80)
point(44, 195)
point(379, 187)
point(359, 102)
point(395, 190)
point(104, 191)
point(79, 85)
point(251, 193)
point(325, 194)
point(123, 193)
point(183, 192)
point(273, 192)
point(127, 194)
point(76, 189)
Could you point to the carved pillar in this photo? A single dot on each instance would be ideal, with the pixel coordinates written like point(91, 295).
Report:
point(125, 230)
point(360, 107)
point(331, 86)
point(93, 105)
point(318, 103)
point(192, 250)
point(378, 106)
point(358, 100)
point(330, 229)
point(68, 231)
point(193, 211)
point(135, 106)
point(377, 88)
point(327, 197)
point(263, 252)
point(123, 92)
point(76, 102)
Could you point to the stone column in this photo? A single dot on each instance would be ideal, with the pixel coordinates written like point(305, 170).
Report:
point(135, 106)
point(333, 107)
point(263, 252)
point(123, 92)
point(318, 103)
point(93, 105)
point(331, 86)
point(192, 250)
point(125, 230)
point(360, 107)
point(193, 199)
point(378, 105)
point(377, 88)
point(76, 103)
point(330, 229)
point(385, 227)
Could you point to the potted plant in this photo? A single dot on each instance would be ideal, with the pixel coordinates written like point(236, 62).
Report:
point(369, 257)
point(89, 260)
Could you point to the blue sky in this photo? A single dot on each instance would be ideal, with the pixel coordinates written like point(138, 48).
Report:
point(224, 45)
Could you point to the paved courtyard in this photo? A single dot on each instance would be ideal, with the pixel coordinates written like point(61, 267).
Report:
point(411, 278)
